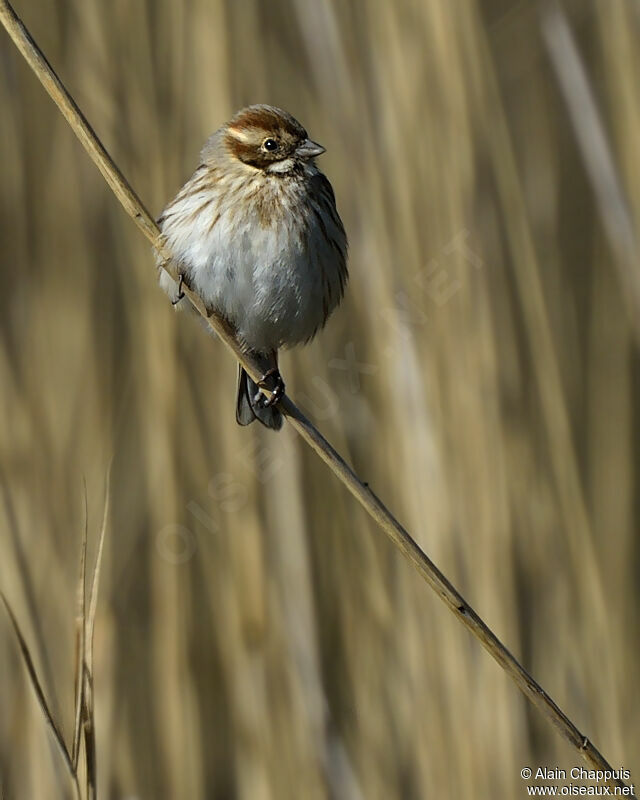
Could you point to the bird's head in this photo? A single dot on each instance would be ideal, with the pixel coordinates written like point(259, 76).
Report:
point(268, 138)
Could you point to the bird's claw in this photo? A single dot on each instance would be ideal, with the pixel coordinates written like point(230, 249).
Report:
point(276, 388)
point(180, 294)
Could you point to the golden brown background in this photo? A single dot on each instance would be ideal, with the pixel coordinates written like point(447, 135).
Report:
point(257, 637)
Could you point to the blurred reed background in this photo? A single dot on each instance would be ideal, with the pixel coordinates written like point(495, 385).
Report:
point(257, 636)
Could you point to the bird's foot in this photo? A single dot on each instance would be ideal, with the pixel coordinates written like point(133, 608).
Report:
point(180, 294)
point(272, 382)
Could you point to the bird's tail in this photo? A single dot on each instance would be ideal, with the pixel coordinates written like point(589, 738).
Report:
point(249, 405)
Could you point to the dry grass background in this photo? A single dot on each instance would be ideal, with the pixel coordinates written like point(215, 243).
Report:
point(256, 636)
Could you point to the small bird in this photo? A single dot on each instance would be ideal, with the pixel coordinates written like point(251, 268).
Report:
point(256, 234)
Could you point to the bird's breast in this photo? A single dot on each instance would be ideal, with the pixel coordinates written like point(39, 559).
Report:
point(261, 254)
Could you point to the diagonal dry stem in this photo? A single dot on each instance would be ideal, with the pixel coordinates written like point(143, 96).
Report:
point(374, 507)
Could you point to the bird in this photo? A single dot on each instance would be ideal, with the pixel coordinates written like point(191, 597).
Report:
point(255, 232)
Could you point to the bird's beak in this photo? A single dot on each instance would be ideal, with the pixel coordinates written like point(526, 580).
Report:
point(309, 149)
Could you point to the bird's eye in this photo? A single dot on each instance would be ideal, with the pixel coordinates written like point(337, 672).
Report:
point(270, 145)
